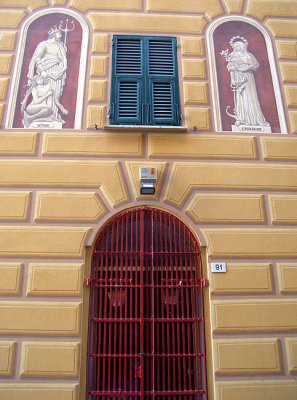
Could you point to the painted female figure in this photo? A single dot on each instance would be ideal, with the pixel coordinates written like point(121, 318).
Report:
point(241, 64)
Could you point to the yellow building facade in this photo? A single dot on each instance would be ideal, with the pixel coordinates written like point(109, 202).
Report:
point(234, 190)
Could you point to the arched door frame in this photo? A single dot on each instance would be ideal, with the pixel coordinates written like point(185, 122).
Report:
point(89, 255)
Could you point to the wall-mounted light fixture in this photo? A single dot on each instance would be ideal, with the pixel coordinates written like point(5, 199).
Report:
point(148, 178)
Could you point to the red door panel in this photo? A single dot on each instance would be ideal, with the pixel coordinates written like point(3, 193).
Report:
point(146, 323)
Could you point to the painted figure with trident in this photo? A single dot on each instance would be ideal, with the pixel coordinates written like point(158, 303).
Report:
point(49, 61)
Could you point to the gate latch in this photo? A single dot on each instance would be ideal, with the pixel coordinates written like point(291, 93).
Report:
point(89, 281)
point(205, 282)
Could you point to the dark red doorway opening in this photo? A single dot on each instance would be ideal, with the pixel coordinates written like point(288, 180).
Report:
point(146, 320)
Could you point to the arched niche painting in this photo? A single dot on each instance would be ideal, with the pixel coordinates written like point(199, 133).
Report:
point(245, 83)
point(50, 70)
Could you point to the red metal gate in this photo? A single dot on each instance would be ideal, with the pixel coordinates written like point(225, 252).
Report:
point(146, 322)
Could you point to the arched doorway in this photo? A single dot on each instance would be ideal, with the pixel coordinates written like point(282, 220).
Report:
point(146, 321)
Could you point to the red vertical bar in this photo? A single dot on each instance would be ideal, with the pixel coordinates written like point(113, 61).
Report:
point(136, 305)
point(201, 305)
point(92, 340)
point(161, 290)
point(109, 274)
point(159, 339)
point(124, 339)
point(168, 266)
point(191, 325)
point(179, 268)
point(183, 340)
point(132, 262)
point(113, 275)
point(120, 338)
point(92, 345)
point(133, 222)
point(141, 303)
point(173, 294)
point(189, 276)
point(152, 292)
point(184, 313)
point(197, 324)
point(104, 277)
point(97, 327)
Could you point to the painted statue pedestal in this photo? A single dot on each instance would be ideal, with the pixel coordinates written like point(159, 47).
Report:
point(46, 124)
point(251, 128)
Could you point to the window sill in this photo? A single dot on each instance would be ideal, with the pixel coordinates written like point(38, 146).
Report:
point(147, 128)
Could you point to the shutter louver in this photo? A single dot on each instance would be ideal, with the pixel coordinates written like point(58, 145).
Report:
point(161, 57)
point(128, 100)
point(128, 59)
point(162, 101)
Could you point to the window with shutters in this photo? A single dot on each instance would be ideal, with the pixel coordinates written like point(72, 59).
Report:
point(144, 88)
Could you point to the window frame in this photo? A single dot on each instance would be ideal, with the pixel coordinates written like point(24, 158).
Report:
point(146, 110)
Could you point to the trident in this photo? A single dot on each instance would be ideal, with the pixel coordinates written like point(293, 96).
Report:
point(66, 30)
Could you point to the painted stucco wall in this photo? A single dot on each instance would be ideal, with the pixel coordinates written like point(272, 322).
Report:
point(237, 192)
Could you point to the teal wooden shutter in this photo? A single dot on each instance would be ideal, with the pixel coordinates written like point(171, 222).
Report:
point(163, 81)
point(145, 81)
point(127, 81)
